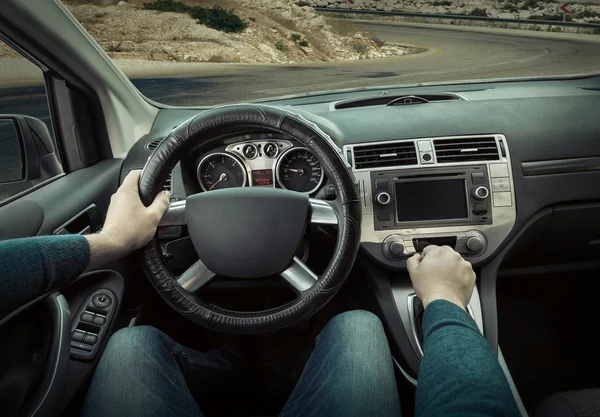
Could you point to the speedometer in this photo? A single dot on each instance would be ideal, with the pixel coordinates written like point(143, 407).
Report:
point(298, 169)
point(221, 170)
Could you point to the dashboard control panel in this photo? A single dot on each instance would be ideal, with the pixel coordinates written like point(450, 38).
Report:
point(454, 191)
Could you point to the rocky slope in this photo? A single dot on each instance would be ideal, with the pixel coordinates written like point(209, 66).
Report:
point(274, 35)
point(508, 9)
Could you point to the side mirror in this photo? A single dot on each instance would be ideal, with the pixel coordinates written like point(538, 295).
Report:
point(27, 155)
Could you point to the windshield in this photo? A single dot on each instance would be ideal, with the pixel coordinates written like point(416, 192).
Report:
point(196, 53)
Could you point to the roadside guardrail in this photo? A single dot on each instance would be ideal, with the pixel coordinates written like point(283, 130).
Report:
point(461, 17)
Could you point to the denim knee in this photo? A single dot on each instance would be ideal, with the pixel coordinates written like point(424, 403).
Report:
point(131, 343)
point(355, 324)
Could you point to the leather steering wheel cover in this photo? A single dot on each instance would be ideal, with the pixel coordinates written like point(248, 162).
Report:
point(207, 124)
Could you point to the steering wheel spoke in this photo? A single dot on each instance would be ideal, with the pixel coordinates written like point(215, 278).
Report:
point(195, 277)
point(175, 215)
point(322, 212)
point(299, 275)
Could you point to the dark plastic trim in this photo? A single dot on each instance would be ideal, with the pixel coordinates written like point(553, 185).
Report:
point(487, 283)
point(561, 166)
point(48, 395)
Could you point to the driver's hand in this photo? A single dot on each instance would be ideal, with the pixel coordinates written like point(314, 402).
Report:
point(440, 273)
point(130, 224)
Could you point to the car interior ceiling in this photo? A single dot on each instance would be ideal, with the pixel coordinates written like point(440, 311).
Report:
point(525, 211)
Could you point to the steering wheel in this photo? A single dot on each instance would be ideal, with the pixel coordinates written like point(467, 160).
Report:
point(251, 232)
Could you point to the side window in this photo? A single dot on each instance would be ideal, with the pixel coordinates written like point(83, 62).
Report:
point(28, 153)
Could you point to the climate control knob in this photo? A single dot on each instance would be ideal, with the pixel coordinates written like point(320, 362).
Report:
point(475, 243)
point(480, 193)
point(383, 199)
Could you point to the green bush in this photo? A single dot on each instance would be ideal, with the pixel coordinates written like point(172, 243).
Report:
point(304, 43)
point(529, 4)
point(360, 46)
point(478, 12)
point(586, 13)
point(296, 37)
point(281, 46)
point(168, 6)
point(442, 3)
point(378, 41)
point(216, 17)
point(511, 8)
point(302, 3)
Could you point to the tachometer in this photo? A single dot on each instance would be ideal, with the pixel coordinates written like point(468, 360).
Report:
point(221, 170)
point(298, 169)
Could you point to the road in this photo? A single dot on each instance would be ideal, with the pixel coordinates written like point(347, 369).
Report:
point(455, 53)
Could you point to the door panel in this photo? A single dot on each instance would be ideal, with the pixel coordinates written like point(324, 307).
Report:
point(42, 211)
point(43, 384)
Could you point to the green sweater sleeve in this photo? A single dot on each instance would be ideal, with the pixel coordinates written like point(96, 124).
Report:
point(35, 266)
point(459, 374)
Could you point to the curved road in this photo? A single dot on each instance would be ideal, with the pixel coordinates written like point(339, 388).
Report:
point(455, 53)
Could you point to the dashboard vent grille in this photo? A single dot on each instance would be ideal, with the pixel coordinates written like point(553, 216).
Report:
point(466, 150)
point(387, 99)
point(153, 145)
point(385, 155)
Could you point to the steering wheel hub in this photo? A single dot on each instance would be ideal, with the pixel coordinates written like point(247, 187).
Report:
point(247, 232)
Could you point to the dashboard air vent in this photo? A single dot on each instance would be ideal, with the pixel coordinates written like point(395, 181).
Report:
point(387, 99)
point(153, 145)
point(466, 150)
point(385, 155)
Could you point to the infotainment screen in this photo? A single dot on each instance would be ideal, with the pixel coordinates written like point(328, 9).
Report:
point(431, 200)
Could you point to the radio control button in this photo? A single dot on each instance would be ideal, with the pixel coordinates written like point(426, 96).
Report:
point(502, 199)
point(382, 184)
point(498, 170)
point(383, 199)
point(478, 177)
point(396, 248)
point(480, 193)
point(500, 184)
point(383, 216)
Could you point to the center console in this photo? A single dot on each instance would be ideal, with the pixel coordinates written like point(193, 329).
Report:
point(455, 191)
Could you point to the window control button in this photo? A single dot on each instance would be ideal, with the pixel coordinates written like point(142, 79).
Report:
point(99, 320)
point(90, 339)
point(77, 336)
point(87, 317)
point(81, 346)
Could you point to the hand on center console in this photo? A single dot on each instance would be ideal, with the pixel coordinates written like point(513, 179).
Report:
point(440, 273)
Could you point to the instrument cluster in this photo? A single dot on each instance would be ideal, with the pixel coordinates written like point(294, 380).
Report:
point(261, 163)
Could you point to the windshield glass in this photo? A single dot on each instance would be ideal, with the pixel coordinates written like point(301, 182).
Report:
point(202, 52)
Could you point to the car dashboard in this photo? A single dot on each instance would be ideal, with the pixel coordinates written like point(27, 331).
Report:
point(464, 165)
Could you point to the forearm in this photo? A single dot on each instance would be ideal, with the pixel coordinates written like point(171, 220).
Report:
point(36, 266)
point(104, 249)
point(459, 374)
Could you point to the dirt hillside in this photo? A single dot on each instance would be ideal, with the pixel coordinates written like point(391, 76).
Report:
point(276, 29)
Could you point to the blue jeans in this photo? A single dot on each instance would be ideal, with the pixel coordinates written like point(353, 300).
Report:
point(144, 372)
